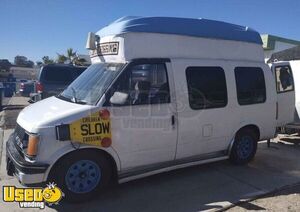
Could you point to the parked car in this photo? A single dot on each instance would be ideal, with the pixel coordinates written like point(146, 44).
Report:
point(51, 80)
point(26, 87)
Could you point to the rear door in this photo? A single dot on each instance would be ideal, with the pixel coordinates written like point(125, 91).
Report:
point(285, 89)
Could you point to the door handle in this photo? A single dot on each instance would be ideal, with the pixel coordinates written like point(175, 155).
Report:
point(173, 120)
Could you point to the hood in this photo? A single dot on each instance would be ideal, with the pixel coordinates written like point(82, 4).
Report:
point(51, 112)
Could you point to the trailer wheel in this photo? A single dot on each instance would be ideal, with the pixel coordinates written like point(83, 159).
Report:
point(81, 175)
point(244, 147)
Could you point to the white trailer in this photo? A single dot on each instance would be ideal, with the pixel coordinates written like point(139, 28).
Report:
point(285, 72)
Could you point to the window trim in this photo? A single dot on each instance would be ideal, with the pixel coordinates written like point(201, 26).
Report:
point(279, 92)
point(236, 87)
point(134, 62)
point(219, 67)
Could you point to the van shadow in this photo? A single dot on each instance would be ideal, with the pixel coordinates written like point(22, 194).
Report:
point(210, 186)
point(180, 190)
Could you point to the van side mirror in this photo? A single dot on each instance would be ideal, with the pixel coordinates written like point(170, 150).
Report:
point(91, 41)
point(118, 98)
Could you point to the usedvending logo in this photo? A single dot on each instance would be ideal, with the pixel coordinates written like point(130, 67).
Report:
point(33, 197)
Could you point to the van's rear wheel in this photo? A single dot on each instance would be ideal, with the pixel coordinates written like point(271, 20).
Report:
point(244, 147)
point(81, 174)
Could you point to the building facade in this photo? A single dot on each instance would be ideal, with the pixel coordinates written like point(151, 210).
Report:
point(273, 44)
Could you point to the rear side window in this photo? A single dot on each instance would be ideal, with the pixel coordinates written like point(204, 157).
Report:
point(250, 85)
point(284, 79)
point(206, 87)
point(57, 74)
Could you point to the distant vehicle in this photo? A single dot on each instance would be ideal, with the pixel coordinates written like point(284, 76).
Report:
point(51, 80)
point(26, 87)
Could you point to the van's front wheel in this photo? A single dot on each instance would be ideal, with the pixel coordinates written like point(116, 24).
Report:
point(244, 147)
point(81, 175)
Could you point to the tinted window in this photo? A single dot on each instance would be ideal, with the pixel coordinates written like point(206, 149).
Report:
point(57, 74)
point(144, 84)
point(284, 79)
point(206, 87)
point(250, 85)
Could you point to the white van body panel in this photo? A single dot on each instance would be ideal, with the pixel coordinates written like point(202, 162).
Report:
point(43, 116)
point(155, 45)
point(201, 131)
point(52, 154)
point(48, 112)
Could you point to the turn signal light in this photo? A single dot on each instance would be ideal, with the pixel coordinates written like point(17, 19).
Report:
point(32, 148)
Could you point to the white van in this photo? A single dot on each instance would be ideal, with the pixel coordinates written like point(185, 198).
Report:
point(161, 94)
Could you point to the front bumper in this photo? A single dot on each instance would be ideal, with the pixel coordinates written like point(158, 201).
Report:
point(26, 172)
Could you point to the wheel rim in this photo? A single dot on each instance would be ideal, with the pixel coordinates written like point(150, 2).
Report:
point(83, 176)
point(245, 147)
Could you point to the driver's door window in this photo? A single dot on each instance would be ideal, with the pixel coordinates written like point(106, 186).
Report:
point(144, 84)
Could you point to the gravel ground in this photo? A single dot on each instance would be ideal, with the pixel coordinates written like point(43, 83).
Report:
point(287, 199)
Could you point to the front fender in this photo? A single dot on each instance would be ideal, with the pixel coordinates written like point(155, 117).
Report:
point(68, 148)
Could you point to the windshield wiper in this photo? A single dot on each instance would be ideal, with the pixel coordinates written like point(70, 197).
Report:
point(71, 98)
point(81, 102)
point(60, 96)
point(75, 100)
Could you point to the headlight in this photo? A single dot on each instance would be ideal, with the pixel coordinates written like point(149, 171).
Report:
point(33, 142)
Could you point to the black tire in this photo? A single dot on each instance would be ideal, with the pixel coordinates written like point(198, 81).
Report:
point(59, 173)
point(244, 147)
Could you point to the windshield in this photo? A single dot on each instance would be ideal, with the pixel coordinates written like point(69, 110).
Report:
point(92, 83)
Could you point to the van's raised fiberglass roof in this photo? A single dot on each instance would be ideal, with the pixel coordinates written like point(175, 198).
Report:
point(182, 26)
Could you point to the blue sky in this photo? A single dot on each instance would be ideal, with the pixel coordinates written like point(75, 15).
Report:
point(35, 28)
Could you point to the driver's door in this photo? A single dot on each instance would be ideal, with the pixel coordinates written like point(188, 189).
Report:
point(144, 131)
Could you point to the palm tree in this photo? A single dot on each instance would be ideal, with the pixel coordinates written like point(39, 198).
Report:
point(71, 55)
point(79, 61)
point(61, 58)
point(47, 60)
